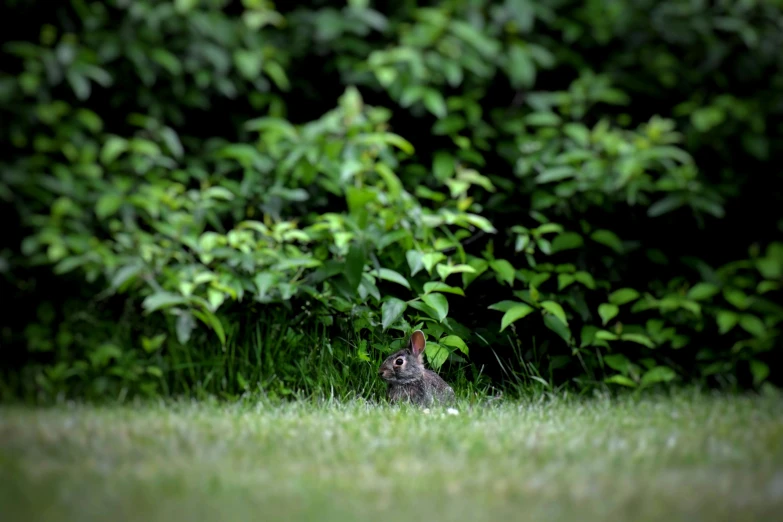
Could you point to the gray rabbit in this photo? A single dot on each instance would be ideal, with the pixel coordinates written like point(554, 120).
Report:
point(408, 379)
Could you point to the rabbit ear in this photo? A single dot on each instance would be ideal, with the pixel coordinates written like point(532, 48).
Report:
point(417, 343)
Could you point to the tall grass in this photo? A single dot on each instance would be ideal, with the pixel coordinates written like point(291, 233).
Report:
point(275, 356)
point(270, 352)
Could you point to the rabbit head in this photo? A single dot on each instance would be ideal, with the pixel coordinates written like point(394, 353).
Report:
point(406, 365)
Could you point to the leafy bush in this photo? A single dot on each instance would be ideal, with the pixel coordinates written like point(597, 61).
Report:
point(232, 196)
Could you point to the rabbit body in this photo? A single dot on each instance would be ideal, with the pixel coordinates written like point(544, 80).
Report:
point(409, 380)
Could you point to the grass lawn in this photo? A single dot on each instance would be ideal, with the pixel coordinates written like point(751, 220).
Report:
point(685, 457)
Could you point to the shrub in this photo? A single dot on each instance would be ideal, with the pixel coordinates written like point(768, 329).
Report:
point(232, 196)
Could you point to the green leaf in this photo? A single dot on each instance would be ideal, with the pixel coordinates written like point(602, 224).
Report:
point(621, 380)
point(588, 335)
point(666, 205)
point(112, 148)
point(108, 205)
point(736, 297)
point(395, 237)
point(479, 265)
point(90, 120)
point(504, 270)
point(393, 184)
point(586, 279)
point(753, 325)
point(705, 118)
point(556, 325)
point(167, 60)
point(79, 83)
point(542, 119)
point(514, 313)
point(160, 300)
point(455, 342)
point(480, 222)
point(442, 287)
point(424, 307)
point(386, 75)
point(605, 335)
point(171, 139)
point(767, 286)
point(276, 72)
point(69, 263)
point(555, 174)
point(391, 310)
point(609, 239)
point(556, 310)
point(394, 277)
point(213, 322)
point(445, 271)
point(450, 125)
point(354, 266)
point(638, 338)
point(550, 228)
point(769, 267)
point(184, 6)
point(415, 263)
point(521, 69)
point(217, 192)
point(442, 165)
point(523, 13)
point(577, 132)
point(436, 355)
point(726, 321)
point(215, 298)
point(263, 282)
point(104, 353)
point(434, 102)
point(145, 147)
point(608, 311)
point(430, 259)
point(398, 141)
point(539, 279)
point(668, 152)
point(273, 125)
point(619, 362)
point(658, 374)
point(759, 370)
point(467, 32)
point(248, 63)
point(707, 205)
point(702, 291)
point(503, 306)
point(357, 199)
point(567, 241)
point(564, 280)
point(125, 274)
point(439, 303)
point(691, 306)
point(623, 296)
point(150, 345)
point(185, 325)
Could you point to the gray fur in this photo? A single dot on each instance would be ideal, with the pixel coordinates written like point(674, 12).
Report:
point(411, 381)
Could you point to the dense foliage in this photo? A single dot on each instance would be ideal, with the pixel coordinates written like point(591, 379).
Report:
point(216, 196)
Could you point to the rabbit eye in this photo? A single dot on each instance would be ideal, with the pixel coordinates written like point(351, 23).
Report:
point(398, 362)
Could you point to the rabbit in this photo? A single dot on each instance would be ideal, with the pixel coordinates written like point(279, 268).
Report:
point(408, 379)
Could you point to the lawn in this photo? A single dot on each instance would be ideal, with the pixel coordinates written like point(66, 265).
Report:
point(683, 457)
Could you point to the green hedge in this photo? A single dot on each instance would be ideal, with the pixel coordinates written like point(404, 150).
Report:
point(223, 196)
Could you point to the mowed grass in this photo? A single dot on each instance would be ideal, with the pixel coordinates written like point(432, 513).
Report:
point(684, 457)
